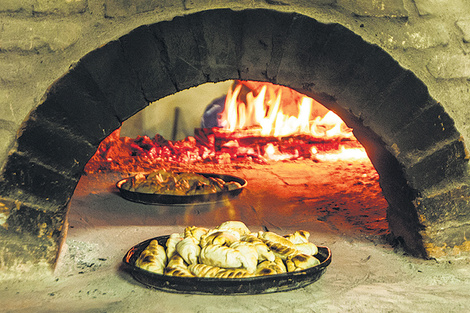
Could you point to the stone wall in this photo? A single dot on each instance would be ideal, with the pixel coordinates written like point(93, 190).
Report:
point(40, 40)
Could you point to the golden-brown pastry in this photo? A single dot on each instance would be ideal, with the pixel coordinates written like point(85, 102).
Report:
point(264, 253)
point(203, 270)
point(189, 249)
point(268, 267)
point(300, 262)
point(195, 232)
point(221, 256)
point(300, 236)
point(153, 258)
point(177, 271)
point(307, 248)
point(273, 237)
point(250, 254)
point(237, 226)
point(218, 238)
point(171, 244)
point(233, 273)
point(177, 261)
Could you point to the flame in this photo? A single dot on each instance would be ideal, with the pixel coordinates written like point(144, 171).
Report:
point(278, 111)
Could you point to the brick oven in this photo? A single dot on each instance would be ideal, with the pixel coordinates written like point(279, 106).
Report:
point(413, 141)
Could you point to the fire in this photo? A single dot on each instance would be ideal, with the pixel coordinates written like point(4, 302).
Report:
point(260, 122)
point(270, 110)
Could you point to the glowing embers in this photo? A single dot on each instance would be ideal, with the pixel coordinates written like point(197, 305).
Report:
point(259, 122)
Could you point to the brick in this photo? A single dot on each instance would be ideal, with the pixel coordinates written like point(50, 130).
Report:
point(183, 59)
point(60, 7)
point(125, 8)
point(397, 105)
point(450, 207)
point(55, 146)
point(117, 80)
point(464, 26)
point(449, 66)
point(31, 182)
point(220, 35)
point(422, 35)
point(343, 56)
point(263, 43)
point(76, 103)
point(437, 7)
point(380, 8)
point(447, 164)
point(36, 221)
point(16, 6)
point(298, 68)
point(48, 34)
point(23, 254)
point(146, 57)
point(429, 128)
point(451, 241)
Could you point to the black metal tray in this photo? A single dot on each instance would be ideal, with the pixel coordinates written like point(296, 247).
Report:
point(225, 286)
point(153, 198)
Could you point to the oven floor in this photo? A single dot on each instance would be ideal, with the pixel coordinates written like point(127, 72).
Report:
point(340, 205)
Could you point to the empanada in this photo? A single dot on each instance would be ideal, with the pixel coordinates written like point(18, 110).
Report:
point(300, 236)
point(222, 256)
point(250, 254)
point(153, 258)
point(300, 262)
point(218, 238)
point(237, 226)
point(203, 270)
point(189, 249)
point(171, 244)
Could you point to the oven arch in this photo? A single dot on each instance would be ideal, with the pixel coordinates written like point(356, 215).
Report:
point(411, 140)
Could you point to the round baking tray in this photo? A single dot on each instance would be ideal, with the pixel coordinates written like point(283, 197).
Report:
point(225, 286)
point(154, 198)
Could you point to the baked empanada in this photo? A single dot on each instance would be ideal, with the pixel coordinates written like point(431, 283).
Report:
point(300, 236)
point(171, 244)
point(189, 249)
point(203, 270)
point(218, 238)
point(237, 226)
point(300, 262)
point(250, 254)
point(222, 256)
point(153, 258)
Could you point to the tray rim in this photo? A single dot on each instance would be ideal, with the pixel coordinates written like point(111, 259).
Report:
point(159, 198)
point(166, 282)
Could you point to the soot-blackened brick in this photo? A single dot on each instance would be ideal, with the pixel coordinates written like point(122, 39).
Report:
point(299, 67)
point(220, 33)
point(445, 164)
point(116, 79)
point(456, 201)
point(184, 60)
point(398, 104)
point(264, 35)
point(37, 222)
point(430, 127)
point(339, 60)
point(76, 103)
point(55, 146)
point(363, 88)
point(148, 58)
point(31, 182)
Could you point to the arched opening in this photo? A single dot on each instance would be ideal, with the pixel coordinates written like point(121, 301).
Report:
point(410, 139)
